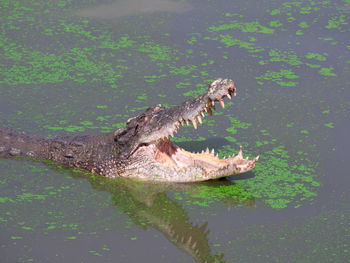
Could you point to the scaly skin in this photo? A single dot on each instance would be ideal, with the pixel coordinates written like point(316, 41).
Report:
point(142, 148)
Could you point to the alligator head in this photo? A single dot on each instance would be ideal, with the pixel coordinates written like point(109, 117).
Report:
point(148, 153)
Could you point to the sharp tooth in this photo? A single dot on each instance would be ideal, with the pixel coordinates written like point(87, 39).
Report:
point(189, 240)
point(207, 150)
point(202, 113)
point(210, 112)
point(240, 153)
point(202, 151)
point(229, 96)
point(194, 122)
point(256, 158)
point(212, 151)
point(213, 103)
point(205, 108)
point(194, 245)
point(217, 155)
point(222, 103)
point(187, 122)
point(199, 119)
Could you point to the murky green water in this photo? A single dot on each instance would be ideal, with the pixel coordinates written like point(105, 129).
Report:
point(87, 66)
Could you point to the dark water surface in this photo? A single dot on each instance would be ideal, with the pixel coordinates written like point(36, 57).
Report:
point(87, 66)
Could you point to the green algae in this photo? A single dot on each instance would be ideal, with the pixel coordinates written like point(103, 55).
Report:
point(16, 237)
point(156, 52)
point(336, 22)
point(246, 27)
point(275, 23)
point(329, 125)
point(230, 139)
point(29, 197)
point(183, 70)
point(284, 56)
point(275, 12)
point(278, 77)
point(101, 106)
point(291, 19)
point(192, 40)
point(52, 68)
point(154, 78)
point(229, 41)
point(316, 56)
point(287, 83)
point(280, 181)
point(290, 5)
point(312, 65)
point(327, 72)
point(305, 10)
point(303, 25)
point(185, 139)
point(5, 199)
point(236, 124)
point(205, 195)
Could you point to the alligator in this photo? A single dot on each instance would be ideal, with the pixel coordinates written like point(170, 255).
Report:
point(142, 149)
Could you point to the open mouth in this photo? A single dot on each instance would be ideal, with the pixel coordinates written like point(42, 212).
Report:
point(207, 162)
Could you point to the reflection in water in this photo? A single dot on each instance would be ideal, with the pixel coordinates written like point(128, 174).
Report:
point(134, 7)
point(148, 205)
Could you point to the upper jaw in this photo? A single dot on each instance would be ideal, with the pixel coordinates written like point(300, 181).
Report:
point(193, 110)
point(167, 121)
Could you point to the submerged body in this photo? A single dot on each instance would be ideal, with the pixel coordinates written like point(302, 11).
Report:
point(142, 148)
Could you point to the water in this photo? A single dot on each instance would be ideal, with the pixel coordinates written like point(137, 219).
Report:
point(87, 66)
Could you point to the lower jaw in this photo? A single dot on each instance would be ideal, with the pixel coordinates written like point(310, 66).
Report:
point(170, 163)
point(169, 154)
